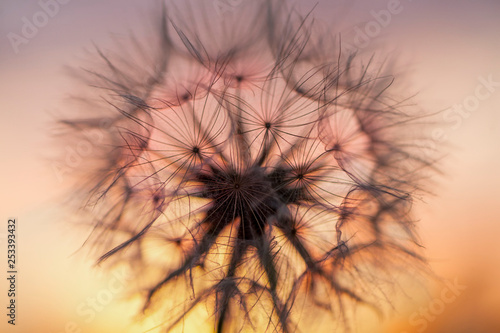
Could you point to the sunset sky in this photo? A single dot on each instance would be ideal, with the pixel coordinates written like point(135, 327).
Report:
point(449, 51)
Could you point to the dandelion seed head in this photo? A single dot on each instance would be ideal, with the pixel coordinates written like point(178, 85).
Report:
point(255, 169)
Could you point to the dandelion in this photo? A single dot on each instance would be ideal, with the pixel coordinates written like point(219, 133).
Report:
point(251, 169)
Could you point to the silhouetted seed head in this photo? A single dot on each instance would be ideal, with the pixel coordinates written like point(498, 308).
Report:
point(251, 167)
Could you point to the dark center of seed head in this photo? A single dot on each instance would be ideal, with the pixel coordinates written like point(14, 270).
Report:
point(239, 78)
point(268, 125)
point(196, 150)
point(335, 147)
point(156, 198)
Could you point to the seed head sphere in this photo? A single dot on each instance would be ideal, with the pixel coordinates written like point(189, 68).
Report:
point(247, 167)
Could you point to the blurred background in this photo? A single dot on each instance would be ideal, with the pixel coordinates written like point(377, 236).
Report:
point(451, 50)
